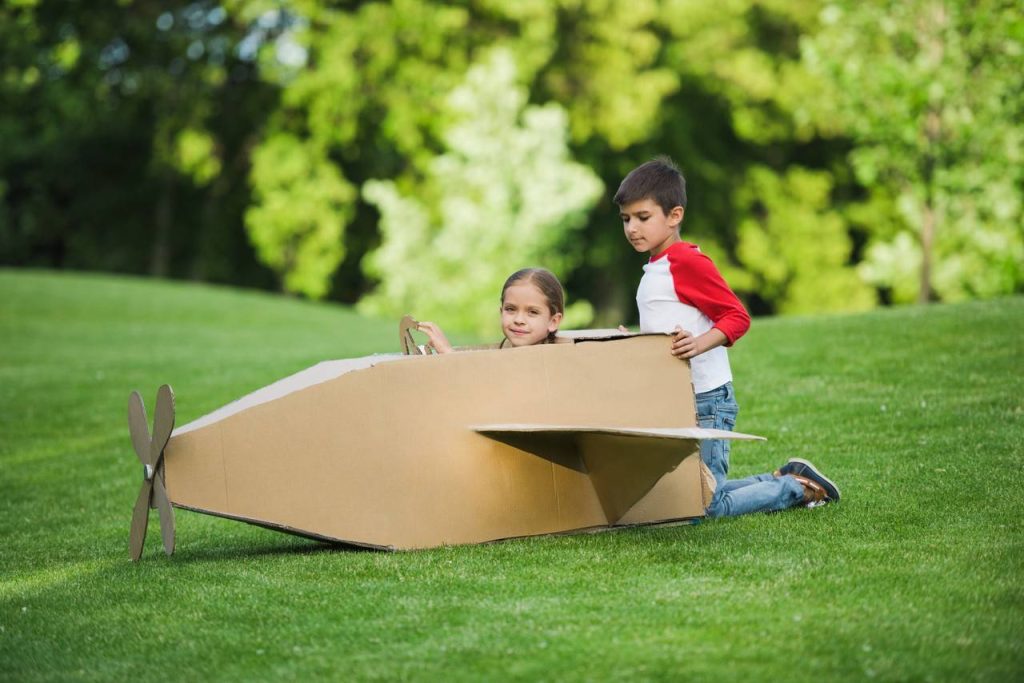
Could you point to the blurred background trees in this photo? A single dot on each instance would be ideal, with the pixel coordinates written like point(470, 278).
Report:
point(409, 154)
point(930, 94)
point(504, 192)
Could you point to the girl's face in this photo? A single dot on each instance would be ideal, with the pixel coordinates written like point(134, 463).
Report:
point(526, 318)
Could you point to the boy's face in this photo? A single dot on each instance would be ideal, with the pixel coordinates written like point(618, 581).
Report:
point(648, 228)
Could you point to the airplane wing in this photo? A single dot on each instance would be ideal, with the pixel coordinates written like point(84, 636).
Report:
point(623, 463)
point(671, 433)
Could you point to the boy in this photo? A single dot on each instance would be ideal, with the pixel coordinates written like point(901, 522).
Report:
point(682, 293)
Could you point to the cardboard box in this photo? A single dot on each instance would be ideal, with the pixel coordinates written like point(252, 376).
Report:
point(405, 452)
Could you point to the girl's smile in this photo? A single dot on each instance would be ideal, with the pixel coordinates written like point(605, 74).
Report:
point(526, 316)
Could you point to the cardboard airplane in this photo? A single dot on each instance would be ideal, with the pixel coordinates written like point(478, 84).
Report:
point(415, 451)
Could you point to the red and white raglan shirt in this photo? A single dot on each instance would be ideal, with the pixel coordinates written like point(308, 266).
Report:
point(681, 286)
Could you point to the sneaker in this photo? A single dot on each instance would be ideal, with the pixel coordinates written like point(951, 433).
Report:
point(804, 469)
point(814, 493)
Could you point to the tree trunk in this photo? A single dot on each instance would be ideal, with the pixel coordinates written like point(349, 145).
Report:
point(936, 20)
point(924, 294)
point(161, 254)
point(929, 220)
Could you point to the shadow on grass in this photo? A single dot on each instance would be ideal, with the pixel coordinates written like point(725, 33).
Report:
point(313, 545)
point(200, 554)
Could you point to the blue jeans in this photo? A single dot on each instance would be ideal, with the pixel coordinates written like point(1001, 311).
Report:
point(717, 409)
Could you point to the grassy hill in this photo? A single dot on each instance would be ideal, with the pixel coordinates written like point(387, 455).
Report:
point(917, 413)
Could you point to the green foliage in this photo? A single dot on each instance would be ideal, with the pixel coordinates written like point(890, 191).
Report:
point(131, 131)
point(504, 195)
point(380, 70)
point(896, 265)
point(740, 110)
point(371, 82)
point(796, 246)
point(606, 72)
point(125, 131)
point(195, 155)
point(915, 576)
point(297, 222)
point(746, 51)
point(929, 92)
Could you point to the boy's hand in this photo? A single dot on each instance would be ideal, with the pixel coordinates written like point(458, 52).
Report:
point(684, 344)
point(438, 341)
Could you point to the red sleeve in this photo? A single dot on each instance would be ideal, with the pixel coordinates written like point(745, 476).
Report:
point(698, 283)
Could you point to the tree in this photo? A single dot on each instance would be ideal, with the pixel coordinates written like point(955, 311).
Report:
point(505, 194)
point(124, 129)
point(735, 111)
point(226, 139)
point(302, 202)
point(929, 90)
point(795, 246)
point(360, 96)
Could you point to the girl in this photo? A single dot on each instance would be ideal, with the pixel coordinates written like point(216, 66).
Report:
point(532, 306)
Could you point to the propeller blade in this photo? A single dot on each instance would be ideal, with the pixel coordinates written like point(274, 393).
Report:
point(138, 426)
point(163, 505)
point(163, 422)
point(140, 520)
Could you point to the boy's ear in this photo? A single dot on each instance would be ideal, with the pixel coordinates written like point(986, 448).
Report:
point(675, 216)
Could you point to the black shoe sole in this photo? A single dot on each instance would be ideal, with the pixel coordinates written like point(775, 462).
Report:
point(804, 468)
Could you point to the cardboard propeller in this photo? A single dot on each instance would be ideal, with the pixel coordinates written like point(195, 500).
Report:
point(150, 450)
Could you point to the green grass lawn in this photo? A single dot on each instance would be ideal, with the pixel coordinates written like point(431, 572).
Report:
point(917, 413)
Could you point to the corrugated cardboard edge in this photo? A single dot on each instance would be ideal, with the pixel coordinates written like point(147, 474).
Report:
point(707, 484)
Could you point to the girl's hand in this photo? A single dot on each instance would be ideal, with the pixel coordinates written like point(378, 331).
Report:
point(437, 340)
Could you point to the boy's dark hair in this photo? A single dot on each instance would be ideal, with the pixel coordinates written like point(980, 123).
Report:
point(545, 281)
point(659, 179)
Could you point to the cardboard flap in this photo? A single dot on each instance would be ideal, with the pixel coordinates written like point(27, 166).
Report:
point(623, 463)
point(624, 468)
point(500, 431)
